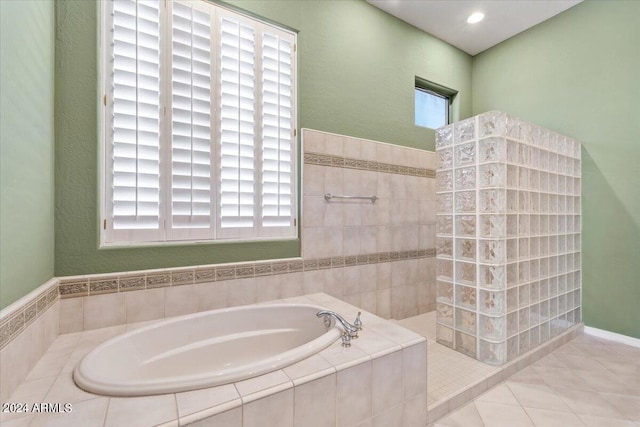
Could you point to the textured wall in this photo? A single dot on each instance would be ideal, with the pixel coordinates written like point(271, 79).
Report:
point(26, 153)
point(578, 74)
point(355, 80)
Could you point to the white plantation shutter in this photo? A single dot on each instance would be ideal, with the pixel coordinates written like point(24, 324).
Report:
point(191, 115)
point(199, 124)
point(277, 130)
point(134, 118)
point(237, 126)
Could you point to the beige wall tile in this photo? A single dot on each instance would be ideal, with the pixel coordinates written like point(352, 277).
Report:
point(242, 292)
point(274, 410)
point(386, 382)
point(71, 315)
point(390, 418)
point(313, 141)
point(414, 365)
point(212, 295)
point(315, 403)
point(354, 395)
point(145, 305)
point(180, 300)
point(231, 418)
point(101, 311)
point(313, 180)
point(415, 411)
point(141, 411)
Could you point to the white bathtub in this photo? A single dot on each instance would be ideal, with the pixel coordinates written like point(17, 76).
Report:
point(204, 349)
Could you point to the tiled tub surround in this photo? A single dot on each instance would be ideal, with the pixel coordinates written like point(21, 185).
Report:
point(508, 236)
point(380, 380)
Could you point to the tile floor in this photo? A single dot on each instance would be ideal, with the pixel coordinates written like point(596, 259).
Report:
point(588, 382)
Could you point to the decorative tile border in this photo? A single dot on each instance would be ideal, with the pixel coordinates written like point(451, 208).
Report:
point(20, 319)
point(123, 282)
point(319, 159)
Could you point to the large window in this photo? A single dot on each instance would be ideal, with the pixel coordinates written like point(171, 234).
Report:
point(199, 124)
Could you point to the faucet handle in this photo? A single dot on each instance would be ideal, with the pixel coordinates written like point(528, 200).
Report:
point(346, 339)
point(358, 323)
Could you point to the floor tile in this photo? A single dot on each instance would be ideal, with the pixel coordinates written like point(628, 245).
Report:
point(591, 421)
point(499, 394)
point(537, 396)
point(588, 403)
point(500, 415)
point(467, 416)
point(547, 418)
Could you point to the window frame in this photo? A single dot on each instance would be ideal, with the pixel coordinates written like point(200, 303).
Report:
point(434, 89)
point(165, 235)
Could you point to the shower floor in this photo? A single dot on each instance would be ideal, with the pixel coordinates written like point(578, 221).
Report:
point(448, 372)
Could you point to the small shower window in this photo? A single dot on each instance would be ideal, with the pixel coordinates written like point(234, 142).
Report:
point(432, 104)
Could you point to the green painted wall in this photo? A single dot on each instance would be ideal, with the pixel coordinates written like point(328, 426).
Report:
point(26, 147)
point(357, 66)
point(579, 74)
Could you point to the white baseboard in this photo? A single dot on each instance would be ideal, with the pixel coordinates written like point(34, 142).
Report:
point(612, 336)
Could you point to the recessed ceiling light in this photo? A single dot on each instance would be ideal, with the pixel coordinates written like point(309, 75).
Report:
point(475, 17)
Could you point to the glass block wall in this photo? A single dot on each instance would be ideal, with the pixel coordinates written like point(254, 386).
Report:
point(508, 236)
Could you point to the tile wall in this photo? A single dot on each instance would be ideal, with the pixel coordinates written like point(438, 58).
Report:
point(508, 236)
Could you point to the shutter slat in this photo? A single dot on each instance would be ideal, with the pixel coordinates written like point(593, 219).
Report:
point(191, 118)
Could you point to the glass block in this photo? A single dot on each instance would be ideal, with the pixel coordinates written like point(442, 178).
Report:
point(492, 276)
point(512, 225)
point(493, 353)
point(512, 250)
point(523, 272)
point(445, 269)
point(512, 176)
point(544, 160)
point(534, 180)
point(534, 270)
point(492, 251)
point(523, 178)
point(444, 292)
point(444, 136)
point(466, 178)
point(465, 321)
point(512, 201)
point(465, 201)
point(534, 315)
point(512, 348)
point(466, 273)
point(466, 296)
point(444, 335)
point(492, 150)
point(534, 226)
point(534, 246)
point(553, 286)
point(544, 289)
point(544, 224)
point(534, 337)
point(466, 225)
point(523, 225)
point(492, 302)
point(465, 343)
point(512, 128)
point(512, 324)
point(535, 292)
point(523, 248)
point(523, 341)
point(466, 249)
point(464, 130)
point(444, 247)
point(534, 202)
point(577, 315)
point(512, 152)
point(553, 163)
point(544, 181)
point(553, 183)
point(523, 295)
point(444, 225)
point(445, 158)
point(444, 314)
point(492, 201)
point(492, 226)
point(512, 300)
point(491, 123)
point(554, 327)
point(465, 154)
point(523, 201)
point(562, 303)
point(553, 307)
point(444, 180)
point(492, 175)
point(544, 332)
point(444, 203)
point(512, 275)
point(524, 158)
point(523, 318)
point(493, 328)
point(535, 157)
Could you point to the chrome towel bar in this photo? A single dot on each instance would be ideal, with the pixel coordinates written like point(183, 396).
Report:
point(330, 196)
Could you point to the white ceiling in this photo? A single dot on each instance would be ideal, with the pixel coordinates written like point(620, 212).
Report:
point(447, 19)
